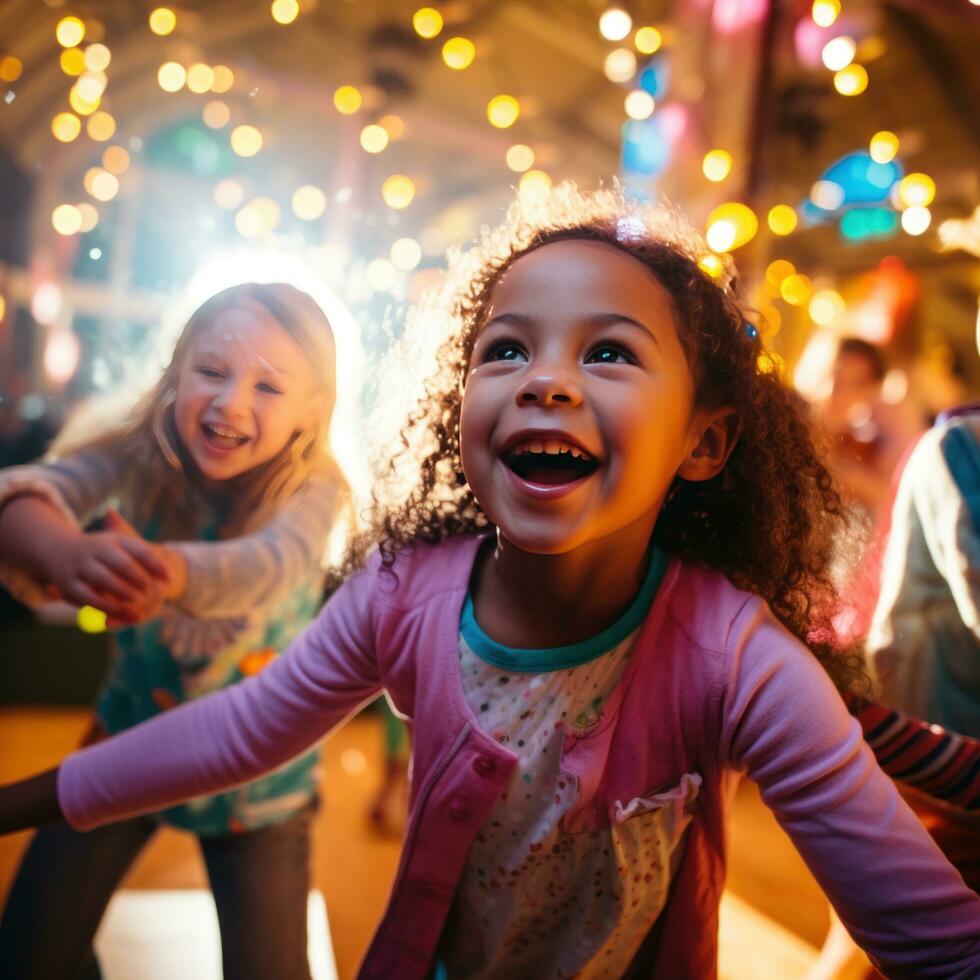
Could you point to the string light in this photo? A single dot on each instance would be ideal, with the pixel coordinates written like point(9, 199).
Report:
point(648, 40)
point(503, 110)
point(72, 61)
point(620, 65)
point(171, 76)
point(66, 126)
point(615, 24)
point(782, 219)
point(520, 158)
point(162, 21)
point(246, 141)
point(200, 78)
point(458, 53)
point(347, 99)
point(69, 32)
point(639, 104)
point(852, 80)
point(716, 165)
point(398, 191)
point(374, 138)
point(427, 22)
point(824, 12)
point(66, 219)
point(284, 11)
point(838, 52)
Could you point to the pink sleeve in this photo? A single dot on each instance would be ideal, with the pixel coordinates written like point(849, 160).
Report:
point(239, 733)
point(787, 727)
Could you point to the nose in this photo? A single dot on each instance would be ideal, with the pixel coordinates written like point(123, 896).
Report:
point(550, 387)
point(232, 400)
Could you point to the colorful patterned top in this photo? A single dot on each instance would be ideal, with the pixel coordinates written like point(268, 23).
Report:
point(246, 599)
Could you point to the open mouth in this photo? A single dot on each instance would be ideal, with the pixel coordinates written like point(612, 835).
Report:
point(550, 463)
point(222, 436)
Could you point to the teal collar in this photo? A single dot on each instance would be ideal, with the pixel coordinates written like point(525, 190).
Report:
point(575, 654)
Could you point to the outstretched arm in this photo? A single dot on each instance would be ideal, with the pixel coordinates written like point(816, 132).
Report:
point(30, 803)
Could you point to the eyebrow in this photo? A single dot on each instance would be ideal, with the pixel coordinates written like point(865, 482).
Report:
point(601, 319)
point(266, 366)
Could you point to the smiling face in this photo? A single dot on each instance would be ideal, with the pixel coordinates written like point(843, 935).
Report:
point(244, 388)
point(578, 407)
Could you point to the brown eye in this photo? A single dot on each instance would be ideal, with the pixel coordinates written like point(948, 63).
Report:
point(610, 354)
point(505, 351)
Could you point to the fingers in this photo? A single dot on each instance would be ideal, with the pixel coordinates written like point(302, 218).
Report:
point(114, 521)
point(147, 555)
point(123, 565)
point(81, 594)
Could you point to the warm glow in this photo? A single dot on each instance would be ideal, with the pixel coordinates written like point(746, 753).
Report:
point(10, 68)
point(90, 216)
point(615, 24)
point(503, 110)
point(200, 78)
point(101, 127)
point(61, 353)
point(97, 57)
point(827, 194)
point(69, 32)
point(284, 11)
point(82, 106)
point(838, 52)
point(520, 158)
point(916, 190)
point(458, 53)
point(228, 194)
point(639, 104)
point(406, 253)
point(116, 159)
point(259, 217)
point(66, 219)
point(374, 138)
point(824, 12)
point(884, 146)
point(826, 306)
point(730, 226)
point(246, 141)
point(381, 275)
point(394, 126)
point(91, 85)
point(711, 264)
point(716, 165)
point(852, 80)
point(171, 76)
point(91, 620)
point(620, 65)
point(777, 271)
point(216, 114)
point(535, 184)
point(162, 21)
point(796, 289)
point(782, 219)
point(104, 185)
point(398, 191)
point(347, 99)
point(72, 61)
point(224, 78)
point(309, 202)
point(648, 40)
point(427, 22)
point(66, 126)
point(916, 219)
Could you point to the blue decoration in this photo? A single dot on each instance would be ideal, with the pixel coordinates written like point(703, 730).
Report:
point(646, 150)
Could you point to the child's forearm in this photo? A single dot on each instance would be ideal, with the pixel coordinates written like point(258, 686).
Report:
point(33, 533)
point(30, 803)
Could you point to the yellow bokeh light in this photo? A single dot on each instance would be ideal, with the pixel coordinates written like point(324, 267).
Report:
point(91, 620)
point(66, 219)
point(69, 32)
point(259, 217)
point(228, 194)
point(66, 126)
point(711, 264)
point(534, 185)
point(82, 106)
point(458, 53)
point(200, 78)
point(406, 253)
point(171, 76)
point(520, 158)
point(97, 57)
point(284, 11)
point(101, 127)
point(90, 217)
point(347, 99)
point(91, 85)
point(782, 219)
point(374, 138)
point(216, 114)
point(72, 61)
point(648, 40)
point(916, 219)
point(838, 52)
point(770, 321)
point(162, 21)
point(852, 80)
point(3, 308)
point(824, 12)
point(116, 159)
point(427, 22)
point(730, 226)
point(309, 202)
point(639, 104)
point(884, 146)
point(394, 126)
point(716, 165)
point(615, 23)
point(796, 289)
point(105, 186)
point(10, 68)
point(778, 270)
point(620, 65)
point(503, 110)
point(246, 141)
point(398, 191)
point(224, 78)
point(826, 306)
point(769, 362)
point(916, 190)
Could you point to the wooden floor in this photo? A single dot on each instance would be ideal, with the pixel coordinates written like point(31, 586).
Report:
point(354, 864)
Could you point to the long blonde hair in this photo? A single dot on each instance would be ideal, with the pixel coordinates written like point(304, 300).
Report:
point(156, 461)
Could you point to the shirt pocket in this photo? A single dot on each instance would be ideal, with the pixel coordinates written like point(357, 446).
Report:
point(670, 809)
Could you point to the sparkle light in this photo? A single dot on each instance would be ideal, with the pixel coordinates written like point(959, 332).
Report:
point(69, 32)
point(648, 40)
point(615, 24)
point(200, 78)
point(101, 127)
point(427, 22)
point(162, 21)
point(66, 219)
point(838, 52)
point(884, 146)
point(620, 65)
point(246, 141)
point(406, 253)
point(458, 53)
point(284, 11)
point(716, 165)
point(916, 190)
point(503, 110)
point(309, 202)
point(66, 126)
point(116, 159)
point(374, 138)
point(824, 12)
point(852, 80)
point(398, 191)
point(216, 114)
point(782, 219)
point(97, 57)
point(347, 99)
point(171, 76)
point(639, 104)
point(520, 158)
point(916, 219)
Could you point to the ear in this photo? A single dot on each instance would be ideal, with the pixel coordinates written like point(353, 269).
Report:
point(716, 433)
point(318, 405)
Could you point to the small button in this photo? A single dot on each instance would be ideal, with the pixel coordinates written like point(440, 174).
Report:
point(484, 765)
point(458, 811)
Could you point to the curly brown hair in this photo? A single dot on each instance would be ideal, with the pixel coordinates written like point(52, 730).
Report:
point(771, 521)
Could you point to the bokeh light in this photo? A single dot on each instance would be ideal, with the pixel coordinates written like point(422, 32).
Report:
point(284, 11)
point(916, 219)
point(162, 21)
point(838, 52)
point(224, 79)
point(711, 264)
point(66, 219)
point(620, 65)
point(730, 226)
point(777, 271)
point(89, 214)
point(72, 61)
point(520, 158)
point(61, 353)
point(100, 127)
point(615, 23)
point(398, 191)
point(782, 219)
point(534, 185)
point(503, 110)
point(826, 307)
point(10, 68)
point(171, 76)
point(216, 114)
point(97, 57)
point(200, 78)
point(394, 126)
point(458, 53)
point(883, 146)
point(104, 186)
point(825, 12)
point(246, 141)
point(83, 107)
point(852, 80)
point(427, 22)
point(116, 159)
point(347, 99)
point(916, 190)
point(228, 194)
point(374, 138)
point(716, 165)
point(406, 253)
point(91, 620)
point(648, 40)
point(796, 289)
point(91, 85)
point(66, 126)
point(309, 202)
point(639, 104)
point(69, 32)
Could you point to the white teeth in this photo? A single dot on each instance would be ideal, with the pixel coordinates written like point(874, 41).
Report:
point(224, 431)
point(550, 447)
point(535, 447)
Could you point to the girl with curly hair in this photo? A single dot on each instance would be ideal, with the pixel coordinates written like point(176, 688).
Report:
point(605, 596)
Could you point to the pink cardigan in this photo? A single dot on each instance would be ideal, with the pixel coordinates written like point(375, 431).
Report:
point(715, 686)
